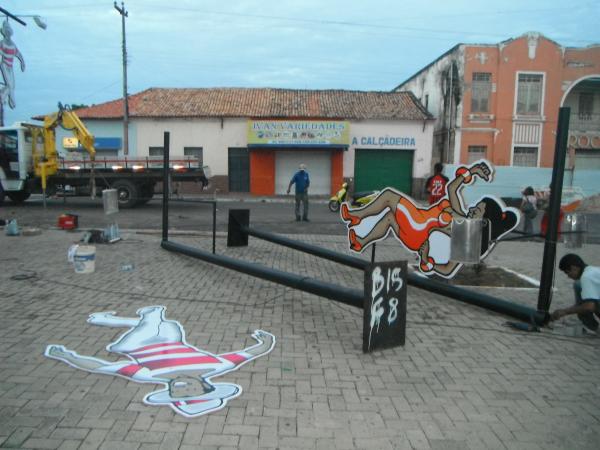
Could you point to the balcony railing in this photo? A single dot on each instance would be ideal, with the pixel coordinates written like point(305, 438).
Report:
point(584, 122)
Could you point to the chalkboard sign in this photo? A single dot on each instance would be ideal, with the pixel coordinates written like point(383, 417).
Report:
point(384, 319)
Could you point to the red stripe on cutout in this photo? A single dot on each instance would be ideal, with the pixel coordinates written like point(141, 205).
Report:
point(173, 362)
point(235, 358)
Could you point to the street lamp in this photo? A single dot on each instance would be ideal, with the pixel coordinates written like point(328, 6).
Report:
point(39, 21)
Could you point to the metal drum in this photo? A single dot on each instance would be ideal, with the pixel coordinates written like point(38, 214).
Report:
point(573, 228)
point(465, 242)
point(110, 198)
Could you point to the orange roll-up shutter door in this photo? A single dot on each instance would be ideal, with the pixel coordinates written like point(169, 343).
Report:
point(262, 172)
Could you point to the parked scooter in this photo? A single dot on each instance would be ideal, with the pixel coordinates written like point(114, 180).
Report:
point(358, 199)
point(337, 199)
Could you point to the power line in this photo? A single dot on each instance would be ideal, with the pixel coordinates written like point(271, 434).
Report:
point(102, 89)
point(369, 25)
point(375, 25)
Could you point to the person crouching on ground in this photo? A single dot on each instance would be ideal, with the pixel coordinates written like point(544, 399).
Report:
point(587, 291)
point(302, 182)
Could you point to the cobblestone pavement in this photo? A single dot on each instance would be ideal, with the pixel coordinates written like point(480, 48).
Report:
point(462, 381)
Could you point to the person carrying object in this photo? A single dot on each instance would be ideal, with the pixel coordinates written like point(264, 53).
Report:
point(302, 182)
point(586, 286)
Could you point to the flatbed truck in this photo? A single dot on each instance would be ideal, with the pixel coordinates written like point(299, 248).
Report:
point(30, 163)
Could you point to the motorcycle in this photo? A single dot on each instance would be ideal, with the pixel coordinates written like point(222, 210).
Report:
point(358, 199)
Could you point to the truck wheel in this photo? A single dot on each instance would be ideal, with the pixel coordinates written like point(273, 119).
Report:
point(147, 192)
point(127, 193)
point(18, 197)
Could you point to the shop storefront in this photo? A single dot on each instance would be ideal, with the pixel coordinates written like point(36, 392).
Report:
point(278, 147)
point(254, 139)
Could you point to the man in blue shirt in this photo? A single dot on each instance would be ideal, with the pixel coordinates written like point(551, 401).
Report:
point(302, 182)
point(587, 291)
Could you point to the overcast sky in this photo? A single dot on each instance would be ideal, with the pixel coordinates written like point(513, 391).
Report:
point(308, 44)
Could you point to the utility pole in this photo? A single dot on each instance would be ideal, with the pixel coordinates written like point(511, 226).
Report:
point(124, 14)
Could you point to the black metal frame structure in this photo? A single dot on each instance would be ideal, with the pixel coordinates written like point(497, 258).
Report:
point(239, 230)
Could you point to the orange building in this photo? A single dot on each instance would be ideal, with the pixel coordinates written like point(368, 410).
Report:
point(501, 101)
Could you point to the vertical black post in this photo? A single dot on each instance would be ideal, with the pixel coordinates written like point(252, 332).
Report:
point(373, 254)
point(165, 221)
point(558, 171)
point(214, 225)
point(238, 219)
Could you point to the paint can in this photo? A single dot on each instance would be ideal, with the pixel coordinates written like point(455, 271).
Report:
point(68, 221)
point(110, 200)
point(84, 259)
point(574, 227)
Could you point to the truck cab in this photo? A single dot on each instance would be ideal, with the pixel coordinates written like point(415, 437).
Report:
point(16, 160)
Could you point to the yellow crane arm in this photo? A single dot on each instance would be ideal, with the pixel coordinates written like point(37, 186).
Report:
point(70, 121)
point(47, 164)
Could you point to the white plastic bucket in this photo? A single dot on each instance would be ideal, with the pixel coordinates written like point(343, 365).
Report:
point(84, 259)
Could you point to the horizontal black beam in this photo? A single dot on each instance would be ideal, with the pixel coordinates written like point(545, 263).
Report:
point(352, 297)
point(341, 258)
point(501, 306)
point(498, 305)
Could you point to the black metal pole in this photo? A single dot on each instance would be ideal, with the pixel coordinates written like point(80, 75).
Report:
point(214, 230)
point(524, 313)
point(341, 258)
point(373, 254)
point(165, 209)
point(13, 17)
point(352, 297)
point(517, 311)
point(507, 308)
point(558, 171)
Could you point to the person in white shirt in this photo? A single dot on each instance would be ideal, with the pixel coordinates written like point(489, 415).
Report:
point(587, 291)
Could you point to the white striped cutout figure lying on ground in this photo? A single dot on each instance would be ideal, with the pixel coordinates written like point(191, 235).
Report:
point(157, 352)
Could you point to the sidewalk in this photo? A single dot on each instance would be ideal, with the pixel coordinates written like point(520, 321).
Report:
point(251, 198)
point(462, 381)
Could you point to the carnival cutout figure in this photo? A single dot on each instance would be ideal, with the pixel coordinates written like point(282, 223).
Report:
point(425, 230)
point(158, 353)
point(8, 52)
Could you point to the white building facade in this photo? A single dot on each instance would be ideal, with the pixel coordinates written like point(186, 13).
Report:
point(374, 139)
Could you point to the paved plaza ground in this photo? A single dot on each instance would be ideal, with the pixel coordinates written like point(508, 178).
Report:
point(462, 381)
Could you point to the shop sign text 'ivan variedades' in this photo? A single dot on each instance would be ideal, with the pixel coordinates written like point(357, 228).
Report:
point(298, 132)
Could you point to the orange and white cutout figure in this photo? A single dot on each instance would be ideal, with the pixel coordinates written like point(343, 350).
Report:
point(425, 230)
point(8, 52)
point(158, 353)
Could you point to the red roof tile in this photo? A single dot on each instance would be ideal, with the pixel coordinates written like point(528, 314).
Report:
point(263, 103)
